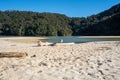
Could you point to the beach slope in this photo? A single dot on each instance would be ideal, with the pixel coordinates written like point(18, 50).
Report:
point(85, 61)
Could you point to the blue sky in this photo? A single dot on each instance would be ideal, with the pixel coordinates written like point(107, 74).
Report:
point(71, 8)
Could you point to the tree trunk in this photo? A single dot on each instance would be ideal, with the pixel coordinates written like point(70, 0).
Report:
point(12, 54)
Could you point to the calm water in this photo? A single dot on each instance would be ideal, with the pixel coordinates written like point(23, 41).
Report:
point(79, 39)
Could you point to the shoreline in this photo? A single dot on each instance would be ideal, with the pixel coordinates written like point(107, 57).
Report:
point(23, 39)
point(19, 37)
point(99, 37)
point(44, 39)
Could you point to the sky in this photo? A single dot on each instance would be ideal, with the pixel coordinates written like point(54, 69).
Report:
point(71, 8)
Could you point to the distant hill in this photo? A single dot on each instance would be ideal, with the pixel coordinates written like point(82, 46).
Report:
point(22, 23)
point(26, 23)
point(104, 23)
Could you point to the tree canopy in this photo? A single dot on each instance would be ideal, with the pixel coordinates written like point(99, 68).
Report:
point(27, 23)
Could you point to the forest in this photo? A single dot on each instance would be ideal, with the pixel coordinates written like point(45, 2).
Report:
point(28, 23)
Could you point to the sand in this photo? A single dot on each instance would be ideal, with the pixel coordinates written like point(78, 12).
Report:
point(85, 61)
point(112, 37)
point(23, 39)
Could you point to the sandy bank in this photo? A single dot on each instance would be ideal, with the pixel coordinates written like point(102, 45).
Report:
point(85, 61)
point(23, 39)
point(114, 37)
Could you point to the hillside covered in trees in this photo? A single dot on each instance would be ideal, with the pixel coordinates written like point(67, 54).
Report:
point(26, 23)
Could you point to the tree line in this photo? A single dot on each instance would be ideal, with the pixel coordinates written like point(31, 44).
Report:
point(27, 23)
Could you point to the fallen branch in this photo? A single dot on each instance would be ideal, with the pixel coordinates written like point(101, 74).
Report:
point(12, 54)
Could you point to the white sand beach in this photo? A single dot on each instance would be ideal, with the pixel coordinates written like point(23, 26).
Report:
point(84, 61)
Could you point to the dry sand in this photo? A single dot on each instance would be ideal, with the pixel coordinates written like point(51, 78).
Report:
point(85, 61)
point(112, 37)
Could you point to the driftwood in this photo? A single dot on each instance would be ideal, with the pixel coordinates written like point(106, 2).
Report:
point(39, 43)
point(12, 54)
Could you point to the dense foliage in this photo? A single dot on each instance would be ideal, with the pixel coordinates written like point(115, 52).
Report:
point(104, 23)
point(25, 23)
point(22, 23)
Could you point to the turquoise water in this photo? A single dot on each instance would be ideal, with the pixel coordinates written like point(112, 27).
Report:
point(79, 40)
